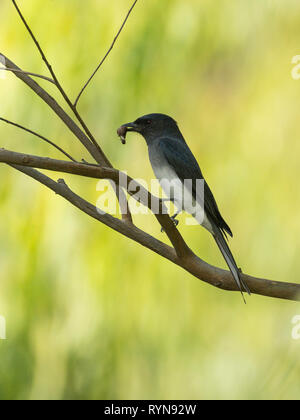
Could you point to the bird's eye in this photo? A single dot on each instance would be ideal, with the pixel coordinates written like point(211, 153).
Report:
point(148, 122)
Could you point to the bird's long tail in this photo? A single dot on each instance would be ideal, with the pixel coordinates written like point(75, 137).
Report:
point(224, 248)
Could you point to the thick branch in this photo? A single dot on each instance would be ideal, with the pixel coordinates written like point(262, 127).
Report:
point(39, 136)
point(94, 171)
point(190, 262)
point(48, 79)
point(125, 229)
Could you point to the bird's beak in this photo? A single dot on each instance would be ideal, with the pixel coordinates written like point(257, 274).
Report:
point(129, 127)
point(122, 131)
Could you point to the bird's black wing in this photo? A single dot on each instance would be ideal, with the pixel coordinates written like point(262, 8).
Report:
point(182, 160)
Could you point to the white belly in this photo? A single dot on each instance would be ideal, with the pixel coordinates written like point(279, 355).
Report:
point(182, 196)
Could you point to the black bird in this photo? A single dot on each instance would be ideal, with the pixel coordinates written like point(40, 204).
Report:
point(173, 163)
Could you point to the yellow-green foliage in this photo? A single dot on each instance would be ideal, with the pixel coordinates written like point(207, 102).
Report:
point(91, 314)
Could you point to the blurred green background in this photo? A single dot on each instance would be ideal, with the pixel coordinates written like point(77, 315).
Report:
point(91, 314)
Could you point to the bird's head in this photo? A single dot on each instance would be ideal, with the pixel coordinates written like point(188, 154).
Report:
point(150, 126)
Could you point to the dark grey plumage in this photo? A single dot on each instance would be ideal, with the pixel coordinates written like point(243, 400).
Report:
point(171, 158)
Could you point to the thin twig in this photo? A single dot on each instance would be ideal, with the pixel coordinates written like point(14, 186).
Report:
point(31, 74)
point(39, 136)
point(114, 175)
point(106, 55)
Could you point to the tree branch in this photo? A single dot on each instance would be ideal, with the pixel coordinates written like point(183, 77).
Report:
point(30, 74)
point(94, 171)
point(73, 127)
point(106, 55)
point(189, 261)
